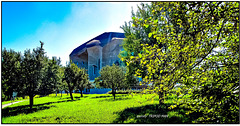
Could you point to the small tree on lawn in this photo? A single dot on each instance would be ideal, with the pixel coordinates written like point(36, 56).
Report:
point(70, 74)
point(63, 86)
point(82, 81)
point(75, 78)
point(111, 77)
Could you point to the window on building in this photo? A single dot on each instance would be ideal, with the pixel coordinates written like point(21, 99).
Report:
point(99, 64)
point(94, 69)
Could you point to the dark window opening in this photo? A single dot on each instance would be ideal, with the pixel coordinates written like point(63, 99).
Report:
point(94, 69)
point(99, 64)
point(116, 63)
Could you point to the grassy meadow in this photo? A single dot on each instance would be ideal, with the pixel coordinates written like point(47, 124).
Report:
point(95, 108)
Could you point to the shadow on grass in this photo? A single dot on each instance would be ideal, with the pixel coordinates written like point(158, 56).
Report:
point(107, 96)
point(25, 109)
point(112, 99)
point(80, 97)
point(74, 98)
point(101, 97)
point(154, 114)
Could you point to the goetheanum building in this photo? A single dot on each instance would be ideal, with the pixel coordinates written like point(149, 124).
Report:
point(98, 52)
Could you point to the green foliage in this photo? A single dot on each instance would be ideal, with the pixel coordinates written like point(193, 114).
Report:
point(136, 33)
point(111, 77)
point(76, 78)
point(32, 71)
point(11, 70)
point(63, 86)
point(29, 74)
point(201, 45)
point(83, 81)
point(52, 78)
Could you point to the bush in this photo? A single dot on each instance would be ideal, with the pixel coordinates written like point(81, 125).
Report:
point(18, 98)
point(37, 96)
point(26, 97)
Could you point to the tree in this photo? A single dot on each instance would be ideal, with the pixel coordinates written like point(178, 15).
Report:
point(10, 72)
point(69, 76)
point(32, 71)
point(136, 32)
point(75, 78)
point(82, 81)
point(62, 84)
point(111, 77)
point(192, 34)
point(52, 79)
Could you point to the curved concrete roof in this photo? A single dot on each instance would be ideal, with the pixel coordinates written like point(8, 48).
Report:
point(93, 43)
point(101, 40)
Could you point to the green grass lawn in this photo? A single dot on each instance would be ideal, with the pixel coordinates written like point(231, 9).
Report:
point(93, 108)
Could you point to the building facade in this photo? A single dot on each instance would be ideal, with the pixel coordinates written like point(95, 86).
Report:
point(98, 52)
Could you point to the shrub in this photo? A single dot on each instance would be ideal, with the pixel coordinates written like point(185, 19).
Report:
point(26, 97)
point(37, 96)
point(18, 98)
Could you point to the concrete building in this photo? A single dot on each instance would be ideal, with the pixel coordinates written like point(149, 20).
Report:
point(98, 52)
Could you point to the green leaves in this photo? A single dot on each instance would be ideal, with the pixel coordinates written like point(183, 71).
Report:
point(146, 25)
point(150, 35)
point(112, 77)
point(181, 51)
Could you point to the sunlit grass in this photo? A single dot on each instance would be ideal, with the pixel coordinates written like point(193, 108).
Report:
point(92, 108)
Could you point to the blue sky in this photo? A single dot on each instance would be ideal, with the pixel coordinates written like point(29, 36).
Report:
point(62, 26)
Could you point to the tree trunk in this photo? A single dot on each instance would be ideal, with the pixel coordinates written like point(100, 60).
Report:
point(61, 93)
point(161, 100)
point(71, 94)
point(67, 92)
point(81, 93)
point(56, 93)
point(113, 93)
point(70, 91)
point(31, 101)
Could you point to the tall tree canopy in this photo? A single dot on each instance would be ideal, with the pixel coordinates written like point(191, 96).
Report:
point(10, 73)
point(32, 71)
point(196, 45)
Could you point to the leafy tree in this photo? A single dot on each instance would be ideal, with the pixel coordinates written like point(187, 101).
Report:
point(82, 81)
point(70, 74)
point(62, 84)
point(200, 49)
point(32, 71)
point(136, 33)
point(111, 77)
point(75, 78)
point(46, 87)
point(10, 72)
point(52, 79)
